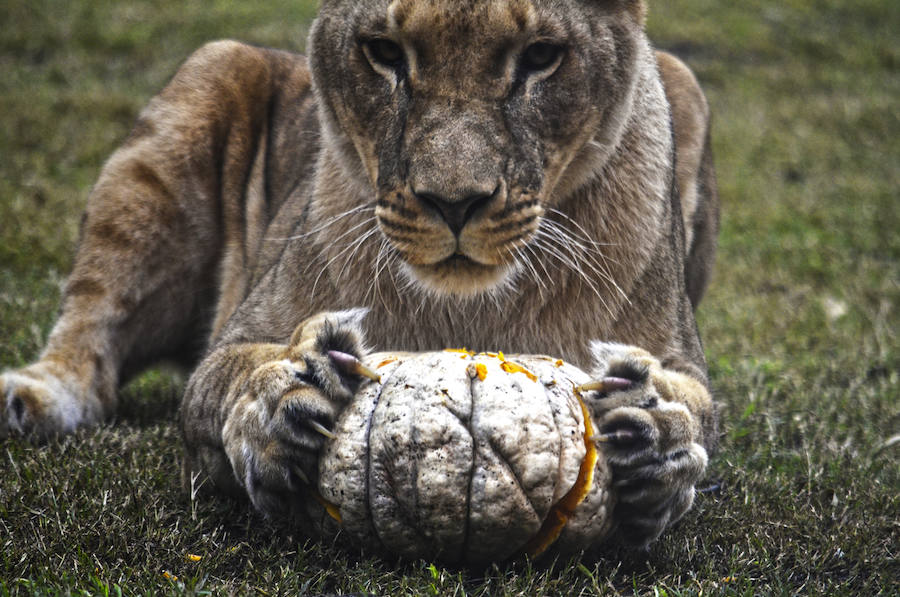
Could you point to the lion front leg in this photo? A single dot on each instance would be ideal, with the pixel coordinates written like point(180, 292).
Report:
point(649, 427)
point(264, 437)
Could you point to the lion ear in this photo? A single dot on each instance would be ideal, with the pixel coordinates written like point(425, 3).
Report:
point(639, 9)
point(636, 8)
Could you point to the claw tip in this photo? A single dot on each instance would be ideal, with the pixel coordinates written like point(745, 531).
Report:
point(351, 365)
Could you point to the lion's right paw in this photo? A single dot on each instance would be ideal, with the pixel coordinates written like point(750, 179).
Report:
point(40, 402)
point(650, 437)
point(277, 427)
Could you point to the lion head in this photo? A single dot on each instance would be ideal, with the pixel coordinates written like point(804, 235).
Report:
point(469, 120)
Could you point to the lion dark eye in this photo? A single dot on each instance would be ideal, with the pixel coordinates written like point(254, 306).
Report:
point(540, 56)
point(385, 52)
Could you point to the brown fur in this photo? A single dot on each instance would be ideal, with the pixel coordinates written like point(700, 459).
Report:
point(254, 193)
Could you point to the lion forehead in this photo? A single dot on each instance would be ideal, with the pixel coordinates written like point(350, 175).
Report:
point(454, 15)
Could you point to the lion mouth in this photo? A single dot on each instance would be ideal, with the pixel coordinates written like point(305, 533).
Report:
point(459, 264)
point(459, 275)
point(458, 260)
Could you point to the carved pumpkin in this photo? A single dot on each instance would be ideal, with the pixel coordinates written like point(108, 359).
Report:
point(466, 458)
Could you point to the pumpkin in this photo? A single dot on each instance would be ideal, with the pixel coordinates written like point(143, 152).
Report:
point(467, 459)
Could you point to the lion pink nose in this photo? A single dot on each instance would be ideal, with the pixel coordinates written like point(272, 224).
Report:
point(456, 212)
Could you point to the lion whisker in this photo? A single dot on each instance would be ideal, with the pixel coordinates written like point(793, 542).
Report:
point(545, 241)
point(593, 252)
point(371, 287)
point(525, 259)
point(327, 224)
point(383, 251)
point(584, 235)
point(586, 244)
point(540, 261)
point(337, 240)
point(593, 257)
point(600, 271)
point(356, 245)
point(350, 246)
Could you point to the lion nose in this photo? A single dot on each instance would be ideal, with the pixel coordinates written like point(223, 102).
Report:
point(456, 212)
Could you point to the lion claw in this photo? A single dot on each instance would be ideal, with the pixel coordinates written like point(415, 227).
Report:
point(350, 365)
point(619, 438)
point(606, 385)
point(322, 429)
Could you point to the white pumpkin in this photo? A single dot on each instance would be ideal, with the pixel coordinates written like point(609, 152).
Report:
point(466, 458)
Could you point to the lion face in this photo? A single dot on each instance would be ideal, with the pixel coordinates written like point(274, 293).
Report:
point(470, 120)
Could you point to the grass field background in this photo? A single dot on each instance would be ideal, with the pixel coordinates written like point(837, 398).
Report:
point(800, 324)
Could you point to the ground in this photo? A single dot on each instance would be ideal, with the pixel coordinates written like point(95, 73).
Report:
point(800, 324)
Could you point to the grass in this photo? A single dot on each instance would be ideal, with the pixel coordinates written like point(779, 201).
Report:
point(800, 325)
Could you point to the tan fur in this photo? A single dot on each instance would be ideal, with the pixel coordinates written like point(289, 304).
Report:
point(695, 175)
point(462, 200)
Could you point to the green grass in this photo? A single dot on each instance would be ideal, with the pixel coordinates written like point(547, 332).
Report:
point(800, 324)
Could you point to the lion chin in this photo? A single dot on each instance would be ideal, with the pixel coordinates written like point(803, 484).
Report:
point(461, 277)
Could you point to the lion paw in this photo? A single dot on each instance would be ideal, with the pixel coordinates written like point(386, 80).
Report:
point(277, 427)
point(649, 436)
point(40, 402)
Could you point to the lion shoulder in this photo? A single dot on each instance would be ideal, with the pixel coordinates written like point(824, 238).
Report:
point(694, 173)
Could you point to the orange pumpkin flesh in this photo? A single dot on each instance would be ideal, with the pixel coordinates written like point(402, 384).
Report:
point(332, 509)
point(559, 515)
point(481, 371)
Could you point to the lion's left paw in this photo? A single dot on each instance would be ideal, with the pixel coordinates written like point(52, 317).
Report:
point(649, 436)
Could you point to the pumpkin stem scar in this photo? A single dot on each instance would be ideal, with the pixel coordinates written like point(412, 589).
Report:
point(332, 510)
point(560, 513)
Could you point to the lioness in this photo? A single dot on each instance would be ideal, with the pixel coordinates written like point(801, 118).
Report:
point(527, 175)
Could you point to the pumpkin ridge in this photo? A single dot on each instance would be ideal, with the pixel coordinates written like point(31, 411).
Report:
point(414, 514)
point(368, 473)
point(467, 424)
point(512, 473)
point(559, 514)
point(464, 544)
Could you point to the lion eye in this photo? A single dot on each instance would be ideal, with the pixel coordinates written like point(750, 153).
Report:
point(385, 52)
point(540, 56)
